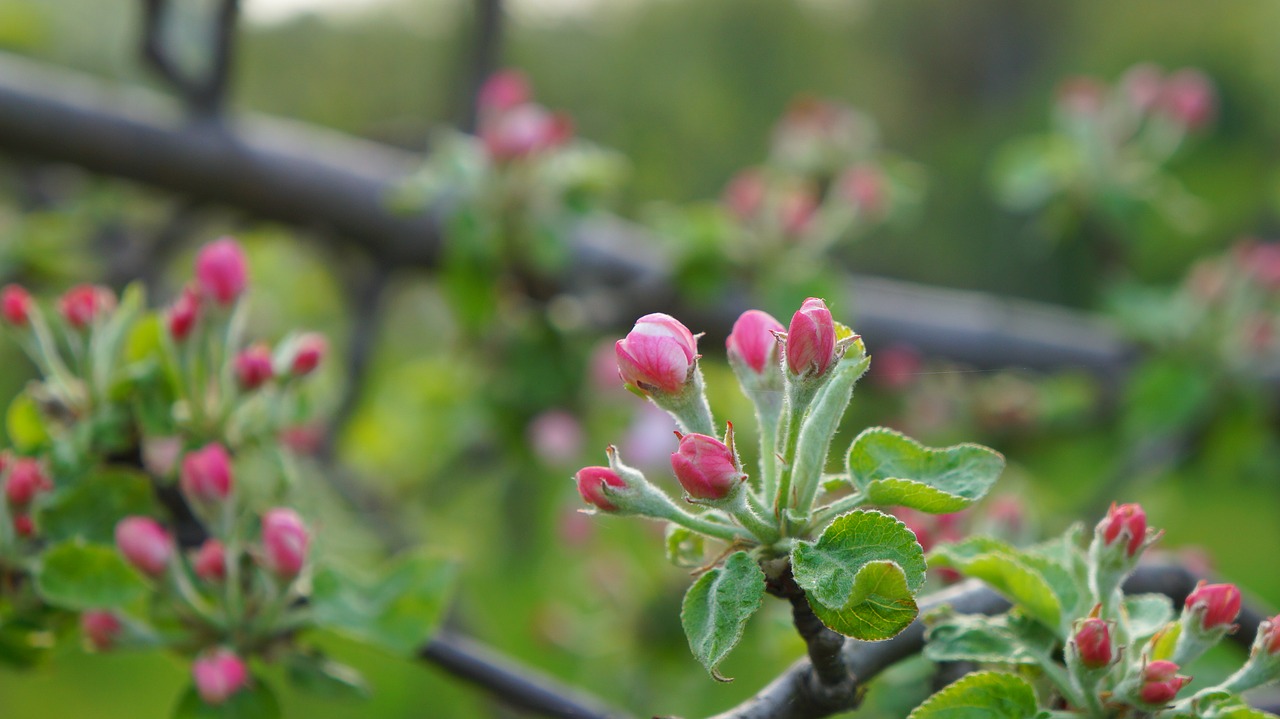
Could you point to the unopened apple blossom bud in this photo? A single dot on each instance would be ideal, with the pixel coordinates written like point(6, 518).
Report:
point(706, 467)
point(1161, 683)
point(222, 272)
point(864, 188)
point(525, 130)
point(1127, 524)
point(101, 629)
point(1142, 85)
point(210, 562)
point(796, 209)
point(145, 544)
point(83, 304)
point(311, 349)
point(556, 436)
point(1081, 96)
point(26, 480)
point(1093, 643)
point(1188, 98)
point(591, 482)
point(657, 355)
point(253, 367)
point(183, 314)
point(1269, 636)
point(754, 341)
point(811, 339)
point(1217, 605)
point(504, 90)
point(15, 305)
point(745, 193)
point(206, 473)
point(285, 540)
point(24, 526)
point(218, 675)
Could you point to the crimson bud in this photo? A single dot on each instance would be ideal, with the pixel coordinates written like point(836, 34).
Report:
point(15, 305)
point(1220, 603)
point(211, 561)
point(101, 628)
point(811, 339)
point(1093, 643)
point(145, 544)
point(253, 367)
point(222, 271)
point(311, 349)
point(1127, 518)
point(591, 481)
point(284, 541)
point(26, 480)
point(82, 304)
point(657, 354)
point(754, 341)
point(183, 314)
point(219, 674)
point(206, 473)
point(706, 467)
point(1161, 682)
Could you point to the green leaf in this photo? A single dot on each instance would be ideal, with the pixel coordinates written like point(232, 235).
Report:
point(91, 509)
point(397, 611)
point(982, 695)
point(1225, 705)
point(1004, 639)
point(318, 675)
point(861, 575)
point(254, 702)
point(1147, 614)
point(716, 609)
point(79, 576)
point(1006, 570)
point(895, 470)
point(26, 428)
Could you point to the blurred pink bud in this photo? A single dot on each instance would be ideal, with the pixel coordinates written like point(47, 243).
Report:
point(304, 439)
point(145, 543)
point(591, 480)
point(744, 195)
point(1128, 519)
point(1142, 85)
point(24, 526)
point(864, 188)
point(1220, 604)
point(183, 314)
point(312, 348)
point(1161, 682)
point(82, 304)
point(160, 454)
point(222, 271)
point(1189, 98)
point(504, 90)
point(811, 339)
point(1207, 281)
point(100, 628)
point(1093, 643)
point(1081, 96)
point(15, 305)
point(26, 480)
point(657, 355)
point(648, 440)
point(206, 474)
point(895, 366)
point(556, 436)
point(706, 467)
point(523, 131)
point(253, 367)
point(796, 209)
point(575, 528)
point(285, 540)
point(211, 561)
point(1261, 260)
point(753, 341)
point(1008, 513)
point(219, 674)
point(1269, 630)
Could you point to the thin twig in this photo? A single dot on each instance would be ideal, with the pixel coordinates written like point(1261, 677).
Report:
point(482, 58)
point(203, 95)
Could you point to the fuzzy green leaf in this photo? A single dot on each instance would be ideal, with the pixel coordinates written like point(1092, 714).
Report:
point(253, 702)
point(861, 574)
point(1006, 570)
point(895, 470)
point(323, 677)
point(1004, 639)
point(983, 695)
point(396, 611)
point(79, 576)
point(1147, 614)
point(91, 509)
point(716, 609)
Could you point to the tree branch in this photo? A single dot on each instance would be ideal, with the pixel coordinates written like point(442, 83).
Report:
point(204, 96)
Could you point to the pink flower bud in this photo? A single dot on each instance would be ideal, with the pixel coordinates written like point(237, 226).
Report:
point(101, 629)
point(1081, 96)
point(504, 90)
point(26, 480)
point(24, 526)
point(183, 314)
point(1142, 85)
point(1220, 604)
point(706, 467)
point(523, 131)
point(657, 355)
point(744, 195)
point(218, 675)
point(284, 541)
point(895, 366)
point(1093, 643)
point(253, 367)
point(311, 348)
point(591, 481)
point(211, 561)
point(145, 543)
point(797, 209)
point(15, 305)
point(304, 439)
point(864, 188)
point(82, 304)
point(811, 339)
point(1269, 631)
point(1161, 682)
point(222, 271)
point(1127, 518)
point(1261, 261)
point(753, 342)
point(556, 436)
point(206, 474)
point(1188, 98)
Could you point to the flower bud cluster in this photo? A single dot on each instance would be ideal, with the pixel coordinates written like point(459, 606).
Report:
point(512, 126)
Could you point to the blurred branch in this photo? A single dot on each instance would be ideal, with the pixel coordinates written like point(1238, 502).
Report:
point(791, 695)
point(312, 178)
point(204, 96)
point(482, 59)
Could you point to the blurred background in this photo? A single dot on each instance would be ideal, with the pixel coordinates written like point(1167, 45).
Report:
point(1114, 218)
